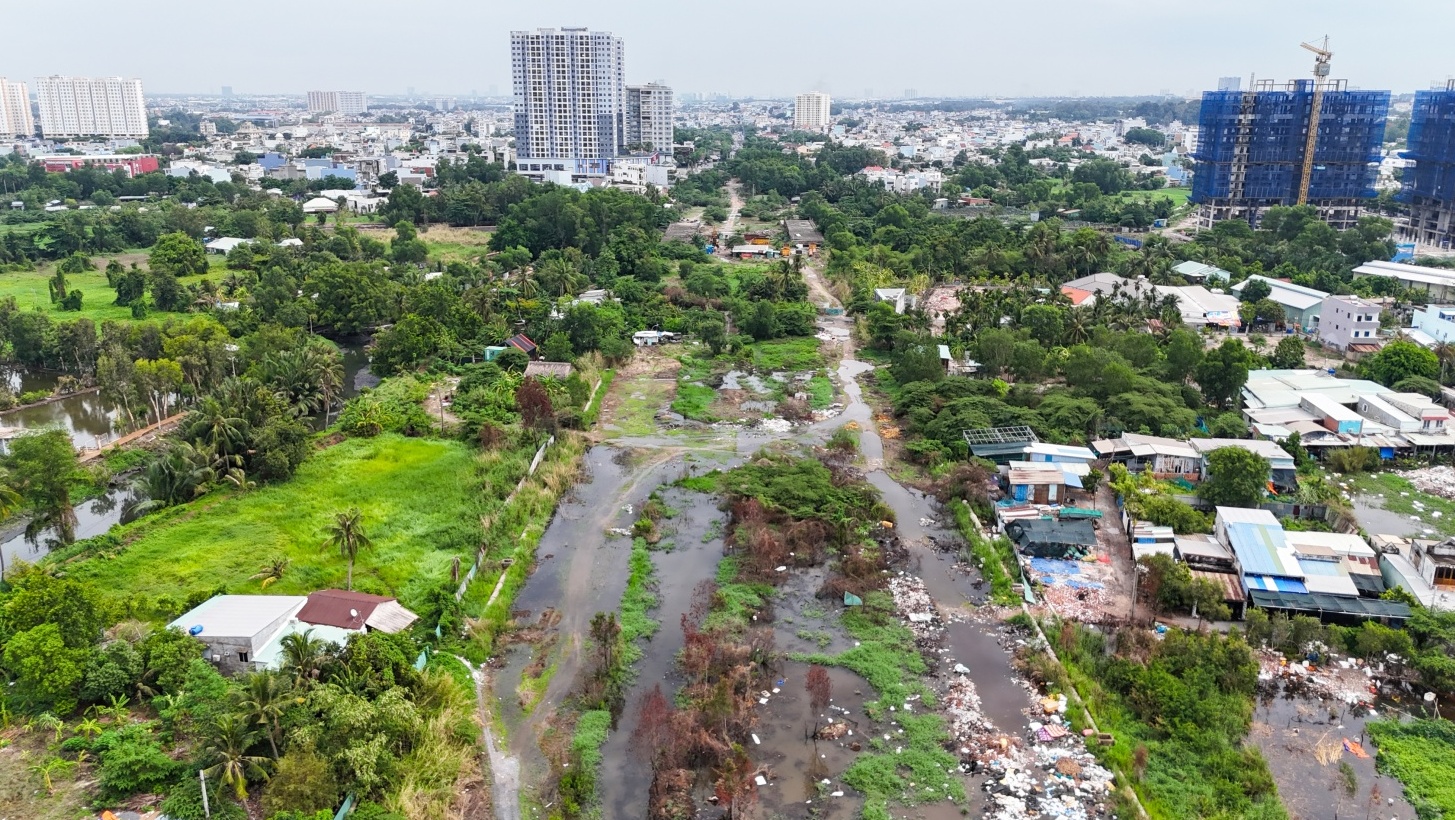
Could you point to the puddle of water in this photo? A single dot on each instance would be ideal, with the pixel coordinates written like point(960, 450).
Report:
point(742, 380)
point(625, 780)
point(1289, 729)
point(1370, 512)
point(799, 764)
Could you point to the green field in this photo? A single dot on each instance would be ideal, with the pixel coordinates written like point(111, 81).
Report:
point(1177, 195)
point(451, 244)
point(31, 289)
point(418, 498)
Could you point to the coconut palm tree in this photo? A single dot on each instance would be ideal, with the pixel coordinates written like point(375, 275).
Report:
point(263, 699)
point(303, 655)
point(225, 754)
point(346, 534)
point(271, 571)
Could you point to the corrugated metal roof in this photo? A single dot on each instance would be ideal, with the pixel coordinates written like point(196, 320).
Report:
point(238, 616)
point(1320, 603)
point(1260, 548)
point(1271, 583)
point(1227, 581)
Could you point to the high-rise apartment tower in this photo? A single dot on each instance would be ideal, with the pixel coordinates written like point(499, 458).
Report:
point(1429, 187)
point(811, 111)
point(1251, 147)
point(648, 118)
point(91, 107)
point(570, 96)
point(15, 118)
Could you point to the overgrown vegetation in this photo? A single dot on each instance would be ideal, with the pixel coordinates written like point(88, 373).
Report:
point(1421, 753)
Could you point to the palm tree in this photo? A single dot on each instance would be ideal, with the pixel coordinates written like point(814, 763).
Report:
point(347, 534)
point(264, 697)
point(180, 475)
point(225, 754)
point(213, 426)
point(271, 571)
point(303, 654)
point(1445, 352)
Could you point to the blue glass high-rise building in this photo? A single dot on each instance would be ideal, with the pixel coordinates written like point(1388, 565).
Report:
point(1251, 145)
point(1429, 187)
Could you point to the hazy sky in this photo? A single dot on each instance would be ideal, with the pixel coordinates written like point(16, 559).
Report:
point(741, 47)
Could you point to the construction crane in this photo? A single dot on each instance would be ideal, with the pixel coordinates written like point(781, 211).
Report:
point(1322, 56)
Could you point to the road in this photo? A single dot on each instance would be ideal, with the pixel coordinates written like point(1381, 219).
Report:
point(735, 204)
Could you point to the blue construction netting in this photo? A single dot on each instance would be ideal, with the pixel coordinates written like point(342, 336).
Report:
point(1432, 147)
point(1351, 134)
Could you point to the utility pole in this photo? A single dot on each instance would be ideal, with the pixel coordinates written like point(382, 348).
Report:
point(206, 809)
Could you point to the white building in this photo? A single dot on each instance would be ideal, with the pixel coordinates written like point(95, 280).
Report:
point(91, 107)
point(648, 120)
point(348, 103)
point(570, 93)
point(811, 111)
point(15, 118)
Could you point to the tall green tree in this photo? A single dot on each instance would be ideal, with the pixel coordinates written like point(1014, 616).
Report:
point(346, 534)
point(1236, 478)
point(1223, 372)
point(44, 469)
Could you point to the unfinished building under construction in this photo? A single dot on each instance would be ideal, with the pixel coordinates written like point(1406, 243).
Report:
point(1429, 187)
point(1253, 149)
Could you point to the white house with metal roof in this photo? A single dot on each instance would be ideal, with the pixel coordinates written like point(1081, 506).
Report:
point(1438, 284)
point(1301, 306)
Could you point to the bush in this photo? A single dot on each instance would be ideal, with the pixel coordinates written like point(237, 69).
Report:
point(132, 761)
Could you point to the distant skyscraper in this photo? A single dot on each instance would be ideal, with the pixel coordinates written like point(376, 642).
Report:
point(91, 107)
point(811, 111)
point(226, 91)
point(570, 90)
point(648, 119)
point(1252, 145)
point(15, 118)
point(1429, 187)
point(1230, 83)
point(911, 93)
point(347, 103)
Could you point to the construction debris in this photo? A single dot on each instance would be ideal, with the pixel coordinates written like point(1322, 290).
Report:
point(1433, 480)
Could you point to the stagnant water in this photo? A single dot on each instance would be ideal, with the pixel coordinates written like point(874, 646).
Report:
point(696, 537)
point(581, 569)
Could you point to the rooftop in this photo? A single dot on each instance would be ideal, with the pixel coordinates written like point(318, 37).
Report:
point(238, 616)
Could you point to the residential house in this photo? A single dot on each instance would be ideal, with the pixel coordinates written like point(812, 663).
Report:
point(1042, 483)
point(234, 629)
point(241, 633)
point(1438, 284)
point(1422, 567)
point(1301, 305)
point(1282, 470)
point(1199, 273)
point(893, 296)
point(1437, 322)
point(1349, 323)
point(523, 343)
point(1167, 458)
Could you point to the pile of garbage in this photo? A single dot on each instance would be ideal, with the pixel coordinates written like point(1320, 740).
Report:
point(1349, 680)
point(976, 737)
point(1433, 480)
point(1085, 603)
point(775, 425)
point(914, 604)
point(1050, 781)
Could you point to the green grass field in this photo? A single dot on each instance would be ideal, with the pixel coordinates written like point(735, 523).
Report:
point(1177, 195)
point(418, 498)
point(31, 289)
point(454, 244)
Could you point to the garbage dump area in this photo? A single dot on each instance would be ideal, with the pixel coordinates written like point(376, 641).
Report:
point(1041, 770)
point(1433, 480)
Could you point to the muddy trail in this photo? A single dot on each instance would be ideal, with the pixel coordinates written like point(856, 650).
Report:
point(695, 537)
point(581, 570)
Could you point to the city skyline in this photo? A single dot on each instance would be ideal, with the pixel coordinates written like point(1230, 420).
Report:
point(1110, 48)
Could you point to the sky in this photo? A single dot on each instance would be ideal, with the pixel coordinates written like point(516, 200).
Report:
point(761, 48)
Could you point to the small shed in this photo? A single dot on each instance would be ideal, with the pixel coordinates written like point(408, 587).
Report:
point(523, 343)
point(1050, 538)
point(540, 370)
point(356, 611)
